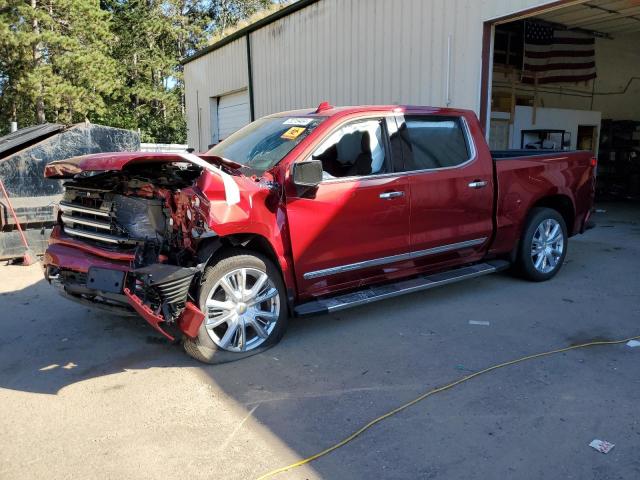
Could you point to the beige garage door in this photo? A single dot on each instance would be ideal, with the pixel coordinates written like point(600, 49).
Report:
point(233, 113)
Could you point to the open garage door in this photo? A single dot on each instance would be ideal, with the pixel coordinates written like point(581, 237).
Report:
point(233, 113)
point(566, 77)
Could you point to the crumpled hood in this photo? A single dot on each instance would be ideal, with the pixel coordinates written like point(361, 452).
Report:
point(103, 162)
point(97, 162)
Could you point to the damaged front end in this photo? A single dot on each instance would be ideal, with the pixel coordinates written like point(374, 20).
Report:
point(130, 239)
point(160, 295)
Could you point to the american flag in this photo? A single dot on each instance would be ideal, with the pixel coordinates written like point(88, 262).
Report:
point(552, 55)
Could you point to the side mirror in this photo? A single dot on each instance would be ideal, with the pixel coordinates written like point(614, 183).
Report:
point(307, 173)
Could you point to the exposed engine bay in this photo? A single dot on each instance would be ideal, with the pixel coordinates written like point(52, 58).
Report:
point(130, 207)
point(155, 214)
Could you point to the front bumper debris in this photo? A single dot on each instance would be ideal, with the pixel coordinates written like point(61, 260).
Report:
point(76, 274)
point(145, 312)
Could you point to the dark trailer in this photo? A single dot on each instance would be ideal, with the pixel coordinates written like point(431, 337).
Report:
point(23, 155)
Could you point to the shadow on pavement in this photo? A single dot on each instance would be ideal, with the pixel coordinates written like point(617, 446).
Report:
point(332, 374)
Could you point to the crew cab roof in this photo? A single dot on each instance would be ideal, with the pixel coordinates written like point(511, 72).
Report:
point(348, 110)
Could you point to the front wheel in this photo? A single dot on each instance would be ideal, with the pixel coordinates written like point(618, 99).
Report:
point(543, 246)
point(243, 299)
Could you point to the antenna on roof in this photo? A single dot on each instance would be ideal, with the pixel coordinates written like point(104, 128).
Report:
point(324, 106)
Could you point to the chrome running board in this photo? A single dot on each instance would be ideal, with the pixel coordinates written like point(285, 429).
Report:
point(382, 292)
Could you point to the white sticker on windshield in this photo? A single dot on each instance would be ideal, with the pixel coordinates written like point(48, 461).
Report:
point(298, 121)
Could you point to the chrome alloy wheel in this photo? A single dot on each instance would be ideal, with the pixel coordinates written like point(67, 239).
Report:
point(242, 309)
point(547, 245)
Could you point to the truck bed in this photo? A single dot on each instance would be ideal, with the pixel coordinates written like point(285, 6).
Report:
point(503, 154)
point(524, 176)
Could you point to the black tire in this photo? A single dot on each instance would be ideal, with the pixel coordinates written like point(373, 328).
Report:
point(203, 348)
point(525, 265)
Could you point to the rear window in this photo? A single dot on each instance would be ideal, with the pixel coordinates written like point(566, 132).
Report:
point(434, 142)
point(265, 142)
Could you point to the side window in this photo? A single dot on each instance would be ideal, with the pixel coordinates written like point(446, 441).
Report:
point(356, 149)
point(433, 142)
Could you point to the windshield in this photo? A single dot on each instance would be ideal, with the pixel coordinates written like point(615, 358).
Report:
point(263, 143)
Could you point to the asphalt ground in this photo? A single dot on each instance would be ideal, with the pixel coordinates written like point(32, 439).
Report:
point(88, 395)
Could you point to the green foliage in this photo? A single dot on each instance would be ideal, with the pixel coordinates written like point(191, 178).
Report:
point(55, 61)
point(226, 13)
point(151, 37)
point(115, 62)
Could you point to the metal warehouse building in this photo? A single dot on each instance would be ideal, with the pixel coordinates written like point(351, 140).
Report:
point(460, 53)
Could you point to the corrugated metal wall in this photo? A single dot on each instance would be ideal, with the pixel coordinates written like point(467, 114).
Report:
point(220, 72)
point(361, 52)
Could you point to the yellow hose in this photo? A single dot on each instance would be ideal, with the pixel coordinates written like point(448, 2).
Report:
point(346, 440)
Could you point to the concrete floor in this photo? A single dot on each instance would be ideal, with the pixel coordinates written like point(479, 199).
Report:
point(86, 395)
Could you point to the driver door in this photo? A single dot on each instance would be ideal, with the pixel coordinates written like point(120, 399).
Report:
point(346, 232)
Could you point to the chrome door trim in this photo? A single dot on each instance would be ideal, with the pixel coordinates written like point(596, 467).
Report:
point(393, 258)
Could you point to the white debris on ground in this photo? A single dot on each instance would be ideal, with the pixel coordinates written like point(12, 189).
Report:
point(602, 446)
point(479, 322)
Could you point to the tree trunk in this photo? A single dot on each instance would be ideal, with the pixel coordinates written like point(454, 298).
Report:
point(40, 115)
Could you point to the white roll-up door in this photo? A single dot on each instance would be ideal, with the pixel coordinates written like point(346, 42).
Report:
point(233, 113)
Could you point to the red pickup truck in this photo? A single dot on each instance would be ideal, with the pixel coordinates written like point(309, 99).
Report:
point(305, 212)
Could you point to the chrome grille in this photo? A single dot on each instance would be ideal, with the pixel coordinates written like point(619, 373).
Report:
point(100, 237)
point(111, 218)
point(68, 219)
point(88, 215)
point(72, 208)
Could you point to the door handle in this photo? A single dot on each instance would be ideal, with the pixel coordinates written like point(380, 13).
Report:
point(390, 195)
point(478, 184)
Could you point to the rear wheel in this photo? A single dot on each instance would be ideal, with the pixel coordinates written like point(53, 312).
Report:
point(243, 299)
point(543, 246)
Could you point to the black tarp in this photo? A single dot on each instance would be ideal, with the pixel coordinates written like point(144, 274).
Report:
point(23, 156)
point(23, 138)
point(22, 171)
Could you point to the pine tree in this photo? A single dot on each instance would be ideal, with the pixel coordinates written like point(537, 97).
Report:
point(152, 37)
point(55, 62)
point(115, 62)
point(227, 13)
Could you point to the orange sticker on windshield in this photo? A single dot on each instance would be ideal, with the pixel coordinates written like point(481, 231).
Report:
point(293, 133)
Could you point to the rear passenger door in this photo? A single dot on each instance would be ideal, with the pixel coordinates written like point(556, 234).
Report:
point(451, 189)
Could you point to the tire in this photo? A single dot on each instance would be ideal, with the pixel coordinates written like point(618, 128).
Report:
point(213, 345)
point(551, 250)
